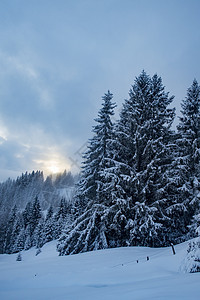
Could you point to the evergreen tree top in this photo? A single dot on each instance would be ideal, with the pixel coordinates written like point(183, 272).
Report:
point(190, 119)
point(191, 104)
point(148, 104)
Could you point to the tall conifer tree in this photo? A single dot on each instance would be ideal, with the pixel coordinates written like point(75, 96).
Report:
point(88, 231)
point(141, 158)
point(189, 153)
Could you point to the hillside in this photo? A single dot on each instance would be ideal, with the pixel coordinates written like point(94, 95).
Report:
point(32, 206)
point(112, 274)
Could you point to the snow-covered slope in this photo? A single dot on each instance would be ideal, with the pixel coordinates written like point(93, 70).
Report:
point(112, 274)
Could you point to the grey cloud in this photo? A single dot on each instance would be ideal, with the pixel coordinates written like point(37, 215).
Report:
point(58, 58)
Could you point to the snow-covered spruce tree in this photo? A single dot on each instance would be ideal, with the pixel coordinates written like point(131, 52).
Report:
point(20, 242)
point(94, 160)
point(191, 263)
point(49, 213)
point(189, 155)
point(62, 210)
point(10, 226)
point(49, 230)
point(141, 158)
point(16, 237)
point(88, 231)
point(174, 227)
point(35, 215)
point(62, 218)
point(19, 257)
point(28, 239)
point(50, 226)
point(38, 238)
point(31, 217)
point(27, 214)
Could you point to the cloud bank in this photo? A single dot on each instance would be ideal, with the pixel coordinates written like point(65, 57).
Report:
point(57, 59)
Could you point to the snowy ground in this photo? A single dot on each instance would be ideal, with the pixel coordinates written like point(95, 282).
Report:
point(110, 274)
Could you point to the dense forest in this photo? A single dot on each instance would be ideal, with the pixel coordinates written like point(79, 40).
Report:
point(139, 184)
point(34, 210)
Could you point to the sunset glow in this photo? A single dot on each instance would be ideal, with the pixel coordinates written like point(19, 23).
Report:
point(53, 168)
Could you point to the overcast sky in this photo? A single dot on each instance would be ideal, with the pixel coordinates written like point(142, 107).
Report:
point(59, 57)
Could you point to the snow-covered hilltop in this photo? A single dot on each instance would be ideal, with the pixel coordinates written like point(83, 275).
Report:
point(111, 274)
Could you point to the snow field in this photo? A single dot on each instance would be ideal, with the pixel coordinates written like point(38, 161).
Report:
point(112, 274)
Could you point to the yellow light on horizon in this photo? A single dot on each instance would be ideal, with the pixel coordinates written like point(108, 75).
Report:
point(53, 168)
